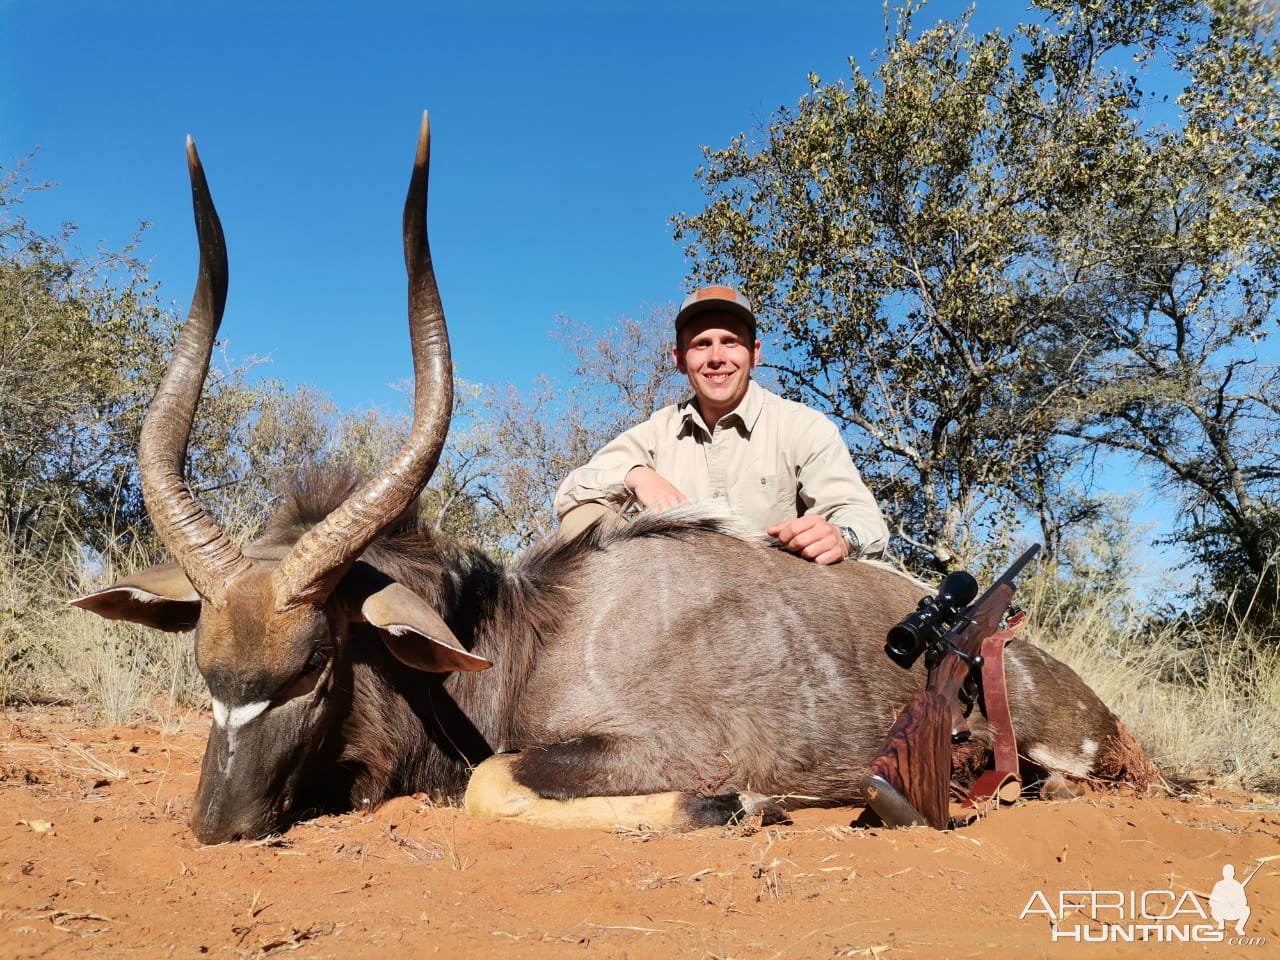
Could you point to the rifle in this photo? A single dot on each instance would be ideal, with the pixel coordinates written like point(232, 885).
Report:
point(908, 782)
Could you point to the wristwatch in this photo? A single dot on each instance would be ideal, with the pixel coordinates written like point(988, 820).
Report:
point(851, 538)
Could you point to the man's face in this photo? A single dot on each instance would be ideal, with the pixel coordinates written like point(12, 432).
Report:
point(716, 355)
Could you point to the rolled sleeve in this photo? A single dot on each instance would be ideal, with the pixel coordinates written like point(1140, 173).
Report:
point(601, 480)
point(830, 485)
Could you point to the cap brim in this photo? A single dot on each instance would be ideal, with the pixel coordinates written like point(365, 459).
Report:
point(699, 307)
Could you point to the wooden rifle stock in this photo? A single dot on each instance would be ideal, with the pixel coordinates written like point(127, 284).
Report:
point(909, 782)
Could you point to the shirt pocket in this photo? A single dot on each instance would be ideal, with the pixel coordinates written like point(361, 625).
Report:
point(764, 497)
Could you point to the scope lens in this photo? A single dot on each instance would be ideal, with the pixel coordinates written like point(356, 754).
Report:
point(904, 640)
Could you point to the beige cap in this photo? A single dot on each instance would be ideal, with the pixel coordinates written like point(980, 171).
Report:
point(719, 299)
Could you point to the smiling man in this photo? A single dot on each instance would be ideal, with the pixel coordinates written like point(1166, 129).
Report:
point(779, 465)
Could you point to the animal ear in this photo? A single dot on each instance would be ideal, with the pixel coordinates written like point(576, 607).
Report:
point(415, 633)
point(161, 597)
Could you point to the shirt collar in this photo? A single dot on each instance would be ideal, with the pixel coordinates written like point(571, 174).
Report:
point(744, 416)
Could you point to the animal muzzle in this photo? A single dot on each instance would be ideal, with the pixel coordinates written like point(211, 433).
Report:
point(248, 782)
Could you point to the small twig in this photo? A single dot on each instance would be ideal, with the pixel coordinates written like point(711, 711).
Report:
point(601, 926)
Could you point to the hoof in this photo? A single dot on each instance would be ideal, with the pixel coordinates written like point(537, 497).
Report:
point(1058, 787)
point(758, 805)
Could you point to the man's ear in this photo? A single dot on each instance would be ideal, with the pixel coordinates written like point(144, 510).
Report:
point(414, 633)
point(678, 356)
point(755, 355)
point(161, 597)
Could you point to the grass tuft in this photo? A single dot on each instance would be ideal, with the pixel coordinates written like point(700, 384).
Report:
point(54, 653)
point(1204, 701)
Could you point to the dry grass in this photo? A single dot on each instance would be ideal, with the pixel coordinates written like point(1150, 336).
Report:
point(54, 653)
point(1205, 705)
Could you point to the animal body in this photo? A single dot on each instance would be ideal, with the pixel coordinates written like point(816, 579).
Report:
point(352, 655)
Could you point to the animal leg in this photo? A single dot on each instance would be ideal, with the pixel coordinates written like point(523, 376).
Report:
point(591, 766)
point(496, 791)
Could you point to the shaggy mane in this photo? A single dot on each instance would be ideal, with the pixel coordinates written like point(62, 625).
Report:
point(455, 577)
point(313, 496)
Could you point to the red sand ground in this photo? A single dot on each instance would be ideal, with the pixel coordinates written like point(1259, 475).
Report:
point(97, 861)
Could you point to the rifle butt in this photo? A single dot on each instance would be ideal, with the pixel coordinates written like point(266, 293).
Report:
point(909, 782)
point(889, 803)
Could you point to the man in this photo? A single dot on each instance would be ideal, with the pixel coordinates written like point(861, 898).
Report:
point(779, 465)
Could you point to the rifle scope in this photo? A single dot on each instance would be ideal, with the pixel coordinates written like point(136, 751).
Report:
point(932, 618)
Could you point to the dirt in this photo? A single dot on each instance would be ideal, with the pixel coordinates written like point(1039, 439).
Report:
point(97, 861)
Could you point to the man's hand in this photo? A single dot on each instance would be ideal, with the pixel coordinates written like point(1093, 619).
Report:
point(813, 538)
point(653, 490)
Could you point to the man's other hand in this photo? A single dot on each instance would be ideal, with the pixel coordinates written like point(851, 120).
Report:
point(813, 538)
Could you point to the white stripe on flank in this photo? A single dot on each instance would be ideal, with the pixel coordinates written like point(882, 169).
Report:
point(1064, 762)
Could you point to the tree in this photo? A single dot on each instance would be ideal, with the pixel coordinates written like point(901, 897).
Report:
point(619, 377)
point(81, 343)
point(1186, 246)
point(949, 248)
point(894, 232)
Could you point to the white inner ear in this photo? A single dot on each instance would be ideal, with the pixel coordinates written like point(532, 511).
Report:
point(161, 594)
point(402, 630)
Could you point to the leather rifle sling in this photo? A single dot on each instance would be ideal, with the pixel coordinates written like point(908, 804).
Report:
point(1002, 781)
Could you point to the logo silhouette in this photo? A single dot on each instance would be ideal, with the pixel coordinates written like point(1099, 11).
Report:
point(1228, 900)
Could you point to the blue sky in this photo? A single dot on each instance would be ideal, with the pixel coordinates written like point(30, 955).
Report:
point(565, 134)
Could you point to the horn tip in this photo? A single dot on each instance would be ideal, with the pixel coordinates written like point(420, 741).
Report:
point(424, 140)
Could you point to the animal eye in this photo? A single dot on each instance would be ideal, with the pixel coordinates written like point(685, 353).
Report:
point(319, 657)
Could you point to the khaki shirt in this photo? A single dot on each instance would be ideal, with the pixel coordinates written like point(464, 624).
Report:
point(769, 460)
